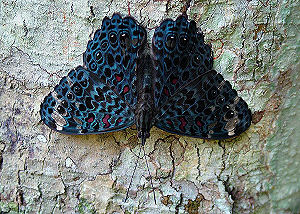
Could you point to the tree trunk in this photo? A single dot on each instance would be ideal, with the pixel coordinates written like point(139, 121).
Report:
point(256, 48)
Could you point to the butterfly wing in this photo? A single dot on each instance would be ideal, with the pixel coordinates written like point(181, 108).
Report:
point(113, 53)
point(83, 104)
point(190, 98)
point(180, 56)
point(207, 107)
point(102, 97)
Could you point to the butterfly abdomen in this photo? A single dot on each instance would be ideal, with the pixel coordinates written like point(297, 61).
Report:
point(144, 109)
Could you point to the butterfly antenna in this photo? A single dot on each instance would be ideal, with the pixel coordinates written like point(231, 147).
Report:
point(136, 162)
point(143, 145)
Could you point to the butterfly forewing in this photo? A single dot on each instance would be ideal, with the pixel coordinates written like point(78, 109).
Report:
point(83, 104)
point(207, 107)
point(113, 53)
point(180, 55)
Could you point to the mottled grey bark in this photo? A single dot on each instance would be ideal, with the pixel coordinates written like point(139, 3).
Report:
point(256, 48)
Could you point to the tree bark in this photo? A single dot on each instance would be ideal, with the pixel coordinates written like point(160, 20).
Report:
point(256, 48)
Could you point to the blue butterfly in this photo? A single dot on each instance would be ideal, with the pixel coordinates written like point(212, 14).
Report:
point(174, 87)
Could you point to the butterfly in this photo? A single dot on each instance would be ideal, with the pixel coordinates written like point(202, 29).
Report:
point(172, 86)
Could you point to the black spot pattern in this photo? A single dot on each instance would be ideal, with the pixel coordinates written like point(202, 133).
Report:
point(115, 48)
point(180, 52)
point(196, 103)
point(80, 107)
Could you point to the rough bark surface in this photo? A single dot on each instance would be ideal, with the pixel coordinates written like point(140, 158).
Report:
point(256, 48)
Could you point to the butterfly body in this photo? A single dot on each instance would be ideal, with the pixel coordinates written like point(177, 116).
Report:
point(144, 109)
point(174, 87)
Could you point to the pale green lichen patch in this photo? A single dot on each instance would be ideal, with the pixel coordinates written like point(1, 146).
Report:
point(85, 207)
point(284, 157)
point(9, 207)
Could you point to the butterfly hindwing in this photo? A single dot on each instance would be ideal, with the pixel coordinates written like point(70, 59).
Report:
point(113, 53)
point(207, 107)
point(83, 104)
point(180, 55)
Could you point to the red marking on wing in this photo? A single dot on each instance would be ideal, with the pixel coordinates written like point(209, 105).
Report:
point(91, 119)
point(174, 81)
point(169, 122)
point(118, 78)
point(166, 91)
point(182, 123)
point(105, 121)
point(199, 123)
point(120, 120)
point(125, 89)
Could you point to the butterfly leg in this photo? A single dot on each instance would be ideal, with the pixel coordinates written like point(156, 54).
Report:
point(149, 173)
point(136, 162)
